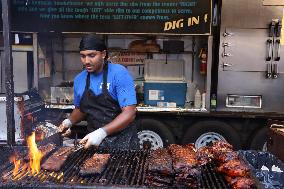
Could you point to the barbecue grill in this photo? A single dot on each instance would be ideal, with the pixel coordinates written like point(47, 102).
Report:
point(125, 169)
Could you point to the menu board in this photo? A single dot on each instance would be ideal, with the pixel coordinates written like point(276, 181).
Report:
point(185, 17)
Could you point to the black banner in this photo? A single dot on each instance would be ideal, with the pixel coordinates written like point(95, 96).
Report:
point(187, 17)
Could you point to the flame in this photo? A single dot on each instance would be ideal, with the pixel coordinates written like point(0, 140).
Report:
point(35, 157)
point(34, 154)
point(17, 164)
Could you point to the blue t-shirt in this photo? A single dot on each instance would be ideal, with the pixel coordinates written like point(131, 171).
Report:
point(119, 83)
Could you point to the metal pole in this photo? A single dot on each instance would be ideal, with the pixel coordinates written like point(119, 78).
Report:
point(193, 58)
point(9, 84)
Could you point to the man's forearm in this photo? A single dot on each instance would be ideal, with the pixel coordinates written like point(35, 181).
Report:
point(76, 116)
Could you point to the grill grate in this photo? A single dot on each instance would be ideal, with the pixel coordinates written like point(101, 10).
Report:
point(125, 169)
point(211, 179)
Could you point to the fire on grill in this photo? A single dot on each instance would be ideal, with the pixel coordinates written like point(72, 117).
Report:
point(177, 166)
point(34, 157)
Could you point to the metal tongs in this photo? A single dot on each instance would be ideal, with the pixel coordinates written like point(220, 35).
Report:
point(64, 152)
point(77, 145)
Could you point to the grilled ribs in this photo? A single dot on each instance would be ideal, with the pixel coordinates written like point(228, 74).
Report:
point(204, 155)
point(184, 158)
point(221, 145)
point(234, 168)
point(95, 165)
point(186, 166)
point(57, 160)
point(226, 156)
point(240, 182)
point(46, 149)
point(160, 169)
point(236, 172)
point(243, 183)
point(160, 162)
point(158, 180)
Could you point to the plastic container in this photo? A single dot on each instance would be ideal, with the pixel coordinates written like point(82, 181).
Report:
point(197, 99)
point(203, 99)
point(165, 92)
point(213, 102)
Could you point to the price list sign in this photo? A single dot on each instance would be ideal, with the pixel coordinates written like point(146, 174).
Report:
point(176, 17)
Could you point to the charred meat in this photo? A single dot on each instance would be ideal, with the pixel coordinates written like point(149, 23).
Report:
point(221, 145)
point(243, 183)
point(204, 155)
point(95, 165)
point(186, 166)
point(234, 168)
point(226, 156)
point(46, 149)
point(240, 182)
point(57, 160)
point(160, 169)
point(160, 162)
point(184, 157)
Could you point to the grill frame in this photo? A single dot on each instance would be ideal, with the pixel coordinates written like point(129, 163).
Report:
point(46, 179)
point(120, 163)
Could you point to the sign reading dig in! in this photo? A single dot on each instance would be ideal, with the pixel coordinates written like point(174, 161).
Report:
point(177, 24)
point(185, 17)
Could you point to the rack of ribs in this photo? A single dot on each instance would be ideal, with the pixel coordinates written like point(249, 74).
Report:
point(46, 149)
point(56, 161)
point(204, 155)
point(160, 168)
point(186, 166)
point(95, 164)
point(234, 169)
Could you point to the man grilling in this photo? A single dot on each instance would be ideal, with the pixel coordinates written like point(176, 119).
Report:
point(104, 95)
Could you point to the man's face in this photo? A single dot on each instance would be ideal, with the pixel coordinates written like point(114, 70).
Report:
point(93, 60)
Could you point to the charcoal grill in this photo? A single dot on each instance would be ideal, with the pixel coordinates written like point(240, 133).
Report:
point(126, 169)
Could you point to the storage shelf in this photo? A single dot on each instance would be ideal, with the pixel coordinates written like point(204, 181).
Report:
point(126, 50)
point(160, 52)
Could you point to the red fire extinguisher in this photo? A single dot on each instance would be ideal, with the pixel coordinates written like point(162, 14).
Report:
point(203, 61)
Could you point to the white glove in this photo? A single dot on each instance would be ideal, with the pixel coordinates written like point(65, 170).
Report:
point(94, 138)
point(67, 123)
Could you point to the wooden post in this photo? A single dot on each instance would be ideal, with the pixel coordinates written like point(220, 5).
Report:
point(8, 61)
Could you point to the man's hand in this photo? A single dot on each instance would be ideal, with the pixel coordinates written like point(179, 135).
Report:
point(94, 138)
point(64, 127)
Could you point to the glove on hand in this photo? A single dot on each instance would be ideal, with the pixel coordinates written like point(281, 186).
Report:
point(65, 125)
point(94, 138)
